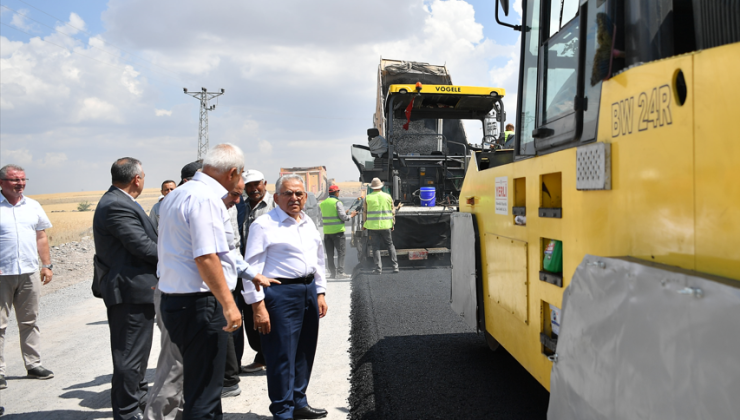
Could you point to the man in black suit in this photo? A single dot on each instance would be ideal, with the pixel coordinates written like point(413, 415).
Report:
point(125, 277)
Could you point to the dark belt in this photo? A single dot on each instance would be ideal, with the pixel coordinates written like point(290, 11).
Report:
point(300, 280)
point(194, 294)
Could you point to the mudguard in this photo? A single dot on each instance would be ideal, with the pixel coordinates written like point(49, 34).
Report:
point(641, 340)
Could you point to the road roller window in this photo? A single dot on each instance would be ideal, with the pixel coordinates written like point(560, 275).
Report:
point(560, 82)
point(528, 101)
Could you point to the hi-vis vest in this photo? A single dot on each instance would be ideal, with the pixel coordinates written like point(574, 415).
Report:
point(507, 134)
point(332, 222)
point(379, 211)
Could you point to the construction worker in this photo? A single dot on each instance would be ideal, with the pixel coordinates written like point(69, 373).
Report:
point(509, 131)
point(334, 217)
point(379, 221)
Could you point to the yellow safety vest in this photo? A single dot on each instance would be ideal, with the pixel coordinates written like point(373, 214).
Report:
point(379, 211)
point(330, 217)
point(507, 134)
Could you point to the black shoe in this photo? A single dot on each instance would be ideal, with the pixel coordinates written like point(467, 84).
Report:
point(40, 373)
point(3, 382)
point(309, 412)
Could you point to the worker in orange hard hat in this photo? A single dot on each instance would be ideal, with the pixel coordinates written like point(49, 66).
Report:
point(334, 217)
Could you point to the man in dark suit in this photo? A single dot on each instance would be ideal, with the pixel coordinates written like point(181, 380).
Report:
point(125, 277)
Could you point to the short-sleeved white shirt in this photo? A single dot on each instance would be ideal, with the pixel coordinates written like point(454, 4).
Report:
point(18, 226)
point(282, 247)
point(194, 222)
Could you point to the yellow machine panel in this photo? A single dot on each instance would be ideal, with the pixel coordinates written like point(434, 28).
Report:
point(449, 90)
point(506, 267)
point(673, 200)
point(717, 160)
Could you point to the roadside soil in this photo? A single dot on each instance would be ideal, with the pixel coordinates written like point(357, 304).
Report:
point(73, 263)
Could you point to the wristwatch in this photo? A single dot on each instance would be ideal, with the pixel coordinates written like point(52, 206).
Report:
point(50, 266)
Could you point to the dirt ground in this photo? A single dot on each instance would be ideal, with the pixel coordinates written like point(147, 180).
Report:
point(73, 263)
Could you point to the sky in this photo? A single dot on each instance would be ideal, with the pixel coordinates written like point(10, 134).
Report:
point(83, 83)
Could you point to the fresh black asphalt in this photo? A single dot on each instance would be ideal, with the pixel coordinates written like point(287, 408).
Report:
point(413, 357)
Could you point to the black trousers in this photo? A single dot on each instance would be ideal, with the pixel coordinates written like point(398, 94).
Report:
point(334, 241)
point(253, 336)
point(131, 328)
point(194, 322)
point(231, 371)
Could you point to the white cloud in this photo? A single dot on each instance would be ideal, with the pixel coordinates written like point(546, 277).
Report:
point(265, 147)
point(54, 159)
point(97, 109)
point(20, 21)
point(299, 78)
point(18, 157)
point(76, 24)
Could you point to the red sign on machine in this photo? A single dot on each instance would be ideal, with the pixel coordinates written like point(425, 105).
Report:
point(418, 254)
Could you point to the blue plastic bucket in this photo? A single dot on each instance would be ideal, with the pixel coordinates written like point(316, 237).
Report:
point(427, 196)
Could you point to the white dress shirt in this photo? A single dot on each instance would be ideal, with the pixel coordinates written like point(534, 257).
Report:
point(19, 252)
point(194, 222)
point(281, 247)
point(243, 270)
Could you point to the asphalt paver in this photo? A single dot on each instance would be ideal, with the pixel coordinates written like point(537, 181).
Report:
point(414, 358)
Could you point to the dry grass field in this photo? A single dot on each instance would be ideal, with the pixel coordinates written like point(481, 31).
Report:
point(71, 225)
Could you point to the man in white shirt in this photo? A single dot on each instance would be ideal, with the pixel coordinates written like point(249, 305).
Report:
point(285, 245)
point(198, 271)
point(165, 395)
point(22, 240)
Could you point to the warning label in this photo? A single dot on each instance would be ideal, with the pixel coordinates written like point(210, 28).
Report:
point(502, 195)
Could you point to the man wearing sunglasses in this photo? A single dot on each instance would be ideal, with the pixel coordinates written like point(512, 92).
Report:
point(285, 245)
point(22, 241)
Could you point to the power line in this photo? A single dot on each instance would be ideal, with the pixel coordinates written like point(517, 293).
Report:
point(70, 36)
point(89, 34)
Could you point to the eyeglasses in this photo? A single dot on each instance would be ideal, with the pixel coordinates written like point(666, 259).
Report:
point(15, 180)
point(289, 193)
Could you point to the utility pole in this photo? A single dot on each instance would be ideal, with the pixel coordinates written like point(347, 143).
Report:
point(204, 96)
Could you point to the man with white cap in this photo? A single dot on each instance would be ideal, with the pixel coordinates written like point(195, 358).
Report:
point(255, 203)
point(379, 221)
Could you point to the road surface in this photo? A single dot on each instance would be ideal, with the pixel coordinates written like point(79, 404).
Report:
point(412, 358)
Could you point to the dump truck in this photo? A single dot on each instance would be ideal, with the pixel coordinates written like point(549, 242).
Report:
point(314, 177)
point(418, 148)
